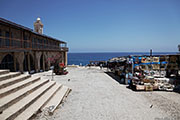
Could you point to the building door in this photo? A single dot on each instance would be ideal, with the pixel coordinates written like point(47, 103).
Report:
point(41, 62)
point(7, 63)
point(26, 61)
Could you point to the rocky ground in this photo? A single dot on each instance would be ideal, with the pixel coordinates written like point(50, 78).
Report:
point(97, 96)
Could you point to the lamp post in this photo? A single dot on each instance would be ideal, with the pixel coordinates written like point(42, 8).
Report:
point(151, 60)
point(179, 48)
point(132, 66)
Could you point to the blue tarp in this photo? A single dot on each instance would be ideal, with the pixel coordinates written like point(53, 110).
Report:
point(164, 62)
point(150, 63)
point(140, 58)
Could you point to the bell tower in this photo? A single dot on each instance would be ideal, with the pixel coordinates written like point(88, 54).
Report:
point(38, 26)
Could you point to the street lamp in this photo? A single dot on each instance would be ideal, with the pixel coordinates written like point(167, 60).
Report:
point(179, 47)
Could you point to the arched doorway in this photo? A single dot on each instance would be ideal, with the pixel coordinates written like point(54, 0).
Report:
point(31, 61)
point(41, 62)
point(7, 62)
point(46, 65)
point(46, 62)
point(17, 66)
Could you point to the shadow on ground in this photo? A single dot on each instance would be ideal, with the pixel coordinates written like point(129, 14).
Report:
point(116, 78)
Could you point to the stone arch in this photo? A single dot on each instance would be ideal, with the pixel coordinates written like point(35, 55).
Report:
point(3, 55)
point(31, 58)
point(60, 57)
point(50, 58)
point(46, 61)
point(32, 55)
point(7, 62)
point(37, 56)
point(19, 60)
point(17, 66)
point(28, 63)
point(42, 62)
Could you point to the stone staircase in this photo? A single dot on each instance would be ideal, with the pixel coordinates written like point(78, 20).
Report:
point(22, 96)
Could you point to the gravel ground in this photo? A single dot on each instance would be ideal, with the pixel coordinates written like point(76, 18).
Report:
point(97, 96)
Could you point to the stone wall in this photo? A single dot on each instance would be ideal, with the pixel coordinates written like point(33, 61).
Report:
point(38, 59)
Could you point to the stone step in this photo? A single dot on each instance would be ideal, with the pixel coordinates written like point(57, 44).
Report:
point(56, 99)
point(13, 111)
point(9, 75)
point(34, 108)
point(67, 93)
point(6, 83)
point(9, 100)
point(17, 86)
point(4, 72)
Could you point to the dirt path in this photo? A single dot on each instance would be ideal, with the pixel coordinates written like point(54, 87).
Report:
point(97, 96)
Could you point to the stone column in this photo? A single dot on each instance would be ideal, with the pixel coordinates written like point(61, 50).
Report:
point(38, 56)
point(20, 59)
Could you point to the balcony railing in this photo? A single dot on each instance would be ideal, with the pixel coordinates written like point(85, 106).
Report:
point(64, 49)
point(19, 44)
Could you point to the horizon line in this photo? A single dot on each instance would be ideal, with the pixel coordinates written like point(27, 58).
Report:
point(124, 52)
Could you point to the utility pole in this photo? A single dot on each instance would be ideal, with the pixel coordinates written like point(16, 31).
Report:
point(151, 59)
point(132, 66)
point(150, 52)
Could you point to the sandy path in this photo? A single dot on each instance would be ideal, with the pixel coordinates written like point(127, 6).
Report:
point(96, 96)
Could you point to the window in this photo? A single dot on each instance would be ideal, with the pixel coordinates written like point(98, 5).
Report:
point(7, 38)
point(25, 37)
point(12, 40)
point(44, 43)
point(38, 43)
point(26, 40)
point(34, 42)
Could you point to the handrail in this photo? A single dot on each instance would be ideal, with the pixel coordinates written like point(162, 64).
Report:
point(14, 43)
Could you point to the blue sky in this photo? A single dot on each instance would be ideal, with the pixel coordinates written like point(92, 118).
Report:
point(103, 25)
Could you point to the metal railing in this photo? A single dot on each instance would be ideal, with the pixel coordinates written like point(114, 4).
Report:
point(20, 44)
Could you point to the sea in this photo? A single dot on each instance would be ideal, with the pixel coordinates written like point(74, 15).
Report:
point(85, 58)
